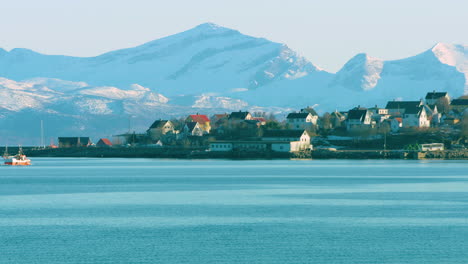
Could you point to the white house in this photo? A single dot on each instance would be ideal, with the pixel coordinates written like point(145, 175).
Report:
point(416, 117)
point(301, 121)
point(287, 140)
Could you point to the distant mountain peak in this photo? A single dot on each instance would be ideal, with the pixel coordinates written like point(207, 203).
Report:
point(361, 72)
point(209, 26)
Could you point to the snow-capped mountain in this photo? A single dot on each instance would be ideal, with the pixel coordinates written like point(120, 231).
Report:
point(205, 59)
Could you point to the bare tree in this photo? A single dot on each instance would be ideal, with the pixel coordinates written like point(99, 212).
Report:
point(326, 121)
point(443, 105)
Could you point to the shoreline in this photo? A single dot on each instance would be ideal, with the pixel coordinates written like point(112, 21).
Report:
point(202, 153)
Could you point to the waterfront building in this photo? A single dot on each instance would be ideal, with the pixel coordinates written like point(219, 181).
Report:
point(103, 143)
point(74, 142)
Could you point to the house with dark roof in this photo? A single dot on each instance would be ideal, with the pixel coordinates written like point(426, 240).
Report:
point(301, 121)
point(309, 110)
point(459, 104)
point(416, 116)
point(396, 108)
point(434, 97)
point(203, 122)
point(74, 142)
point(193, 129)
point(358, 118)
point(240, 116)
point(160, 128)
point(104, 143)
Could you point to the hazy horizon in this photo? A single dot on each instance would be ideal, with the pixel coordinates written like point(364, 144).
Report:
point(328, 34)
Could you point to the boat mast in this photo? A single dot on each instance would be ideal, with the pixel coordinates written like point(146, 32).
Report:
point(5, 155)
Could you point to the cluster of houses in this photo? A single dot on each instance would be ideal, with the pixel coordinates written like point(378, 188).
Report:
point(242, 131)
point(406, 114)
point(221, 128)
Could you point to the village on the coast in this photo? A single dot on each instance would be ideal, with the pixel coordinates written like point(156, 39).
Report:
point(434, 124)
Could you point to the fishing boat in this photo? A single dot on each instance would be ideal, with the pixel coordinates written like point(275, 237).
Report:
point(17, 160)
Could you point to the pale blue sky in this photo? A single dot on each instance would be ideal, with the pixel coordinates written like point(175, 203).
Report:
point(327, 32)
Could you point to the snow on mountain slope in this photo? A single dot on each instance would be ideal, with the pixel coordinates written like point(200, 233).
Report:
point(77, 108)
point(453, 55)
point(442, 68)
point(205, 59)
point(360, 73)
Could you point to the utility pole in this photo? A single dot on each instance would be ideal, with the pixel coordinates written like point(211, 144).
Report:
point(385, 141)
point(42, 134)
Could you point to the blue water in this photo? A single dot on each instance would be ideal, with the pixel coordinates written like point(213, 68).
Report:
point(178, 211)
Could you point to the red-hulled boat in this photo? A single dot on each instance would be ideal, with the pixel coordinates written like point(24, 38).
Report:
point(17, 160)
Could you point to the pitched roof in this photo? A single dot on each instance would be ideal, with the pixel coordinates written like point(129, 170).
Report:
point(338, 115)
point(435, 95)
point(104, 141)
point(238, 115)
point(459, 102)
point(297, 115)
point(220, 116)
point(158, 123)
point(191, 125)
point(276, 133)
point(415, 110)
point(359, 114)
point(309, 110)
point(200, 118)
point(402, 104)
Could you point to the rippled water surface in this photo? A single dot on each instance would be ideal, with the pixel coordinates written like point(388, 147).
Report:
point(178, 211)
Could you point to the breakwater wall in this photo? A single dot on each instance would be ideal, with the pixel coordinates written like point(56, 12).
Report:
point(202, 153)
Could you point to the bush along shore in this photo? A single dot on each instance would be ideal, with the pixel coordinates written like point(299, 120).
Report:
point(202, 153)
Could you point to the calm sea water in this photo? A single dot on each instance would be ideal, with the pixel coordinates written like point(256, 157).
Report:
point(179, 211)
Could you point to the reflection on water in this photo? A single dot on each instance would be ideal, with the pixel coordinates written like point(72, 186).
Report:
point(179, 211)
